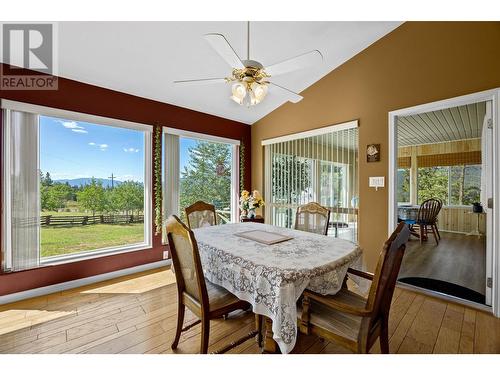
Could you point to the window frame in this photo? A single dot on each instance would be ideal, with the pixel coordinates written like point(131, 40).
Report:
point(9, 105)
point(235, 165)
point(448, 200)
point(409, 171)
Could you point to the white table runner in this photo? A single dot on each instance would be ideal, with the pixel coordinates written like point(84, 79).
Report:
point(272, 277)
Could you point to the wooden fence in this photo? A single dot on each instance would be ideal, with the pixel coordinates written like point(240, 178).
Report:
point(68, 221)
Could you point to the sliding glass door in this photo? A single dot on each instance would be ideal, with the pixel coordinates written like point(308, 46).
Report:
point(322, 168)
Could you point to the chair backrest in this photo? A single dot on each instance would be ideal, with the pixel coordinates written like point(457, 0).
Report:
point(201, 214)
point(386, 273)
point(186, 260)
point(429, 210)
point(312, 217)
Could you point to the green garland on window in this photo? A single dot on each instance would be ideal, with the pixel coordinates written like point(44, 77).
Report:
point(242, 166)
point(157, 179)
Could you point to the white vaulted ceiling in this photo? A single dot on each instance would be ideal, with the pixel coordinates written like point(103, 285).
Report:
point(144, 58)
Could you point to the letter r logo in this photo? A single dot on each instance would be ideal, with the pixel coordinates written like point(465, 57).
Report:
point(29, 46)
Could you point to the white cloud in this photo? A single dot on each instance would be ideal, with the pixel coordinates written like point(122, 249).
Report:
point(91, 143)
point(103, 147)
point(131, 149)
point(71, 125)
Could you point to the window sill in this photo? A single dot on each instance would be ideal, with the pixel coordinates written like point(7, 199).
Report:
point(62, 259)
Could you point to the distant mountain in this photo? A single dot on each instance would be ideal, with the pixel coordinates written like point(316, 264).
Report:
point(86, 181)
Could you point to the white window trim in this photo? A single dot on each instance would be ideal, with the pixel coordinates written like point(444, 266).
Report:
point(202, 136)
point(71, 115)
point(98, 120)
point(235, 164)
point(312, 133)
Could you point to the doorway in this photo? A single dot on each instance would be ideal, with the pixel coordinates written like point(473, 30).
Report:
point(442, 185)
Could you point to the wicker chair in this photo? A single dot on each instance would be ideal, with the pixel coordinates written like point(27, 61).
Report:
point(201, 214)
point(206, 300)
point(350, 319)
point(312, 217)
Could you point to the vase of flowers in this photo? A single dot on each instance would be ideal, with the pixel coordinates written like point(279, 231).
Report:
point(250, 202)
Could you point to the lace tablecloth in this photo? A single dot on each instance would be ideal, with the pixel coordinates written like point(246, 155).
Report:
point(272, 277)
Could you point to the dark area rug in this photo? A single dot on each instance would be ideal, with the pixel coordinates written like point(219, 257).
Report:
point(445, 287)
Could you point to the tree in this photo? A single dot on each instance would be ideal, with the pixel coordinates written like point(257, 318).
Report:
point(127, 197)
point(91, 197)
point(403, 190)
point(291, 181)
point(55, 197)
point(47, 181)
point(207, 176)
point(433, 183)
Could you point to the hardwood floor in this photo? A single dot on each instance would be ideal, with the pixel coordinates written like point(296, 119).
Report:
point(136, 314)
point(458, 259)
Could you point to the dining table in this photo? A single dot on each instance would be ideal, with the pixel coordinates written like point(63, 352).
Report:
point(272, 277)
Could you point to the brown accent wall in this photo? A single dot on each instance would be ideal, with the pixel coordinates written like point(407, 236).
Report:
point(85, 98)
point(419, 62)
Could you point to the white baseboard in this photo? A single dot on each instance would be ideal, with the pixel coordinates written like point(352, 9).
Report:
point(14, 297)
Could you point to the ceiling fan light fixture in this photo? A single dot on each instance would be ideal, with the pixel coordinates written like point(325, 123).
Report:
point(239, 90)
point(259, 91)
point(237, 100)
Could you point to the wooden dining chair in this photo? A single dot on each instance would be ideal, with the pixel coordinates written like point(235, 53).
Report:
point(350, 319)
point(312, 217)
point(206, 300)
point(201, 214)
point(427, 218)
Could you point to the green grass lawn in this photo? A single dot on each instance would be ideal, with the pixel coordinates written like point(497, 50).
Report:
point(67, 240)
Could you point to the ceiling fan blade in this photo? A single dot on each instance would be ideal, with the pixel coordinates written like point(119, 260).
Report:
point(204, 81)
point(295, 63)
point(220, 44)
point(290, 95)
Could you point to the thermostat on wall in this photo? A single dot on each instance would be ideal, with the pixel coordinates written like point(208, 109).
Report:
point(376, 182)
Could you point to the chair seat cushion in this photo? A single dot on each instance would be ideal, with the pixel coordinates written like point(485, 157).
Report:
point(339, 323)
point(219, 297)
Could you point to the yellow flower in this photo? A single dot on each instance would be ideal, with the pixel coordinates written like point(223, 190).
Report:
point(245, 193)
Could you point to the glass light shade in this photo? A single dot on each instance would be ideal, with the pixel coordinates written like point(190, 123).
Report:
point(259, 91)
point(239, 92)
point(237, 100)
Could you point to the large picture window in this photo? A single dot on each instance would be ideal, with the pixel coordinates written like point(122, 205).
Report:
point(74, 186)
point(454, 185)
point(200, 168)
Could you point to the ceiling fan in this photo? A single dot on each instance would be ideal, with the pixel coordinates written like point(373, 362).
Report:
point(249, 78)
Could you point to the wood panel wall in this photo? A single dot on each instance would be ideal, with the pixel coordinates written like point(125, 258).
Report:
point(460, 220)
point(465, 145)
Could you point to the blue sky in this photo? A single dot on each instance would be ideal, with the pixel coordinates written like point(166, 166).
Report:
point(76, 149)
point(184, 144)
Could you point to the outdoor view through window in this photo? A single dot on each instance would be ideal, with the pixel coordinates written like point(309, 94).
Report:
point(205, 174)
point(91, 186)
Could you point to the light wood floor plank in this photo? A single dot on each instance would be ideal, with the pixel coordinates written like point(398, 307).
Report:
point(448, 340)
point(137, 314)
